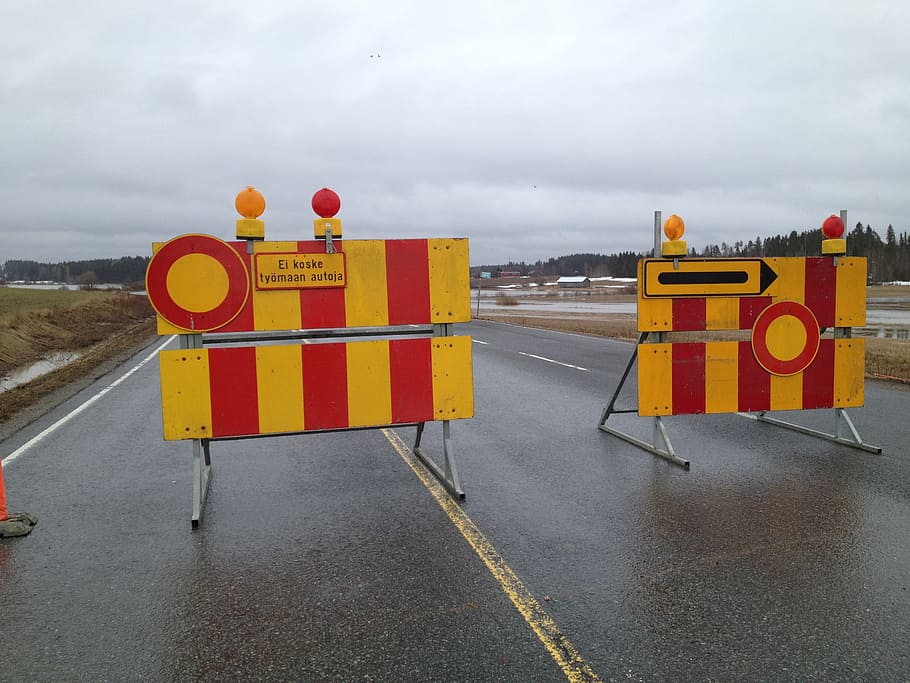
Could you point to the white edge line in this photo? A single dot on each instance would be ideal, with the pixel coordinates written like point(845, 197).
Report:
point(477, 341)
point(73, 413)
point(550, 360)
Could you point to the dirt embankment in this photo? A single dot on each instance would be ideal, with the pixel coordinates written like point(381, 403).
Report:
point(29, 336)
point(104, 330)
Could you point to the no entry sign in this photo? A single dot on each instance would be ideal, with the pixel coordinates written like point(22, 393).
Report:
point(197, 282)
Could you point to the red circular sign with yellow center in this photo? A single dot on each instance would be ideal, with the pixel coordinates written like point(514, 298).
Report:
point(785, 338)
point(197, 282)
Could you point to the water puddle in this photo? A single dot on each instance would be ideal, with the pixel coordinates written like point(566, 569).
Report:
point(35, 370)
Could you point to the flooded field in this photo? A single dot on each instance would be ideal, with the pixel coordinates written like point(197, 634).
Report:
point(42, 367)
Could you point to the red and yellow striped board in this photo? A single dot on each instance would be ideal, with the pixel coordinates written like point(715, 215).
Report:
point(725, 377)
point(786, 365)
point(836, 295)
point(388, 282)
point(220, 392)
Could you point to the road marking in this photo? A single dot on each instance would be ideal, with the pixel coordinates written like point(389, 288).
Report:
point(76, 411)
point(560, 648)
point(550, 360)
point(477, 341)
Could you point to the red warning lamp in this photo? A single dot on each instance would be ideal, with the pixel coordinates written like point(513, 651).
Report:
point(833, 227)
point(833, 230)
point(326, 204)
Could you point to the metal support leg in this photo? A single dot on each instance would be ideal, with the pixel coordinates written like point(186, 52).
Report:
point(419, 435)
point(841, 420)
point(660, 445)
point(451, 470)
point(448, 477)
point(190, 341)
point(202, 471)
point(625, 375)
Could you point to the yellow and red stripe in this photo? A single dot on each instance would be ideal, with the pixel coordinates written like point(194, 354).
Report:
point(389, 282)
point(722, 377)
point(220, 392)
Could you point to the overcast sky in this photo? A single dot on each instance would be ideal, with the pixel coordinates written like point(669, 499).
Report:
point(534, 128)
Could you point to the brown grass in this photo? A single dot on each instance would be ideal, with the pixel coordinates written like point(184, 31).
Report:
point(601, 328)
point(123, 341)
point(888, 358)
point(34, 323)
point(102, 325)
point(890, 291)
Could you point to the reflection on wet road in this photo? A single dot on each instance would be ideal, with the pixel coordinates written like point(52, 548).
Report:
point(323, 557)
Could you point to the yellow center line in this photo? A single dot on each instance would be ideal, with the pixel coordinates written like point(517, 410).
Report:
point(560, 648)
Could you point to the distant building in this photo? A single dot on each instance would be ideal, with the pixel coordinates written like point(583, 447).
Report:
point(509, 273)
point(578, 281)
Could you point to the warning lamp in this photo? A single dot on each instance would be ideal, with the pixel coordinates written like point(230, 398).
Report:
point(250, 204)
point(674, 227)
point(326, 204)
point(833, 229)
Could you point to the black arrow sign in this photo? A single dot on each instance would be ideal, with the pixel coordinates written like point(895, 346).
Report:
point(707, 277)
point(726, 277)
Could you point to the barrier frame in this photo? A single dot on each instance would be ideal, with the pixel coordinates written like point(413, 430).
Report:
point(202, 328)
point(661, 444)
point(447, 474)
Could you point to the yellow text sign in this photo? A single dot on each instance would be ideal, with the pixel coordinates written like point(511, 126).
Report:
point(299, 271)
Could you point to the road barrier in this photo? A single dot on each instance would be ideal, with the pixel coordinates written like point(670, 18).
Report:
point(4, 512)
point(291, 337)
point(800, 353)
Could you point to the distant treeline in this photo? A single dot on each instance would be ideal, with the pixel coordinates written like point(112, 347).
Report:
point(623, 264)
point(113, 271)
point(888, 258)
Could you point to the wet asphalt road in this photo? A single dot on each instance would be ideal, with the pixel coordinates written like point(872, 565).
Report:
point(323, 557)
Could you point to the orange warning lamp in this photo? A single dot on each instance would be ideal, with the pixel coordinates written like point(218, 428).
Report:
point(250, 204)
point(833, 230)
point(674, 227)
point(326, 203)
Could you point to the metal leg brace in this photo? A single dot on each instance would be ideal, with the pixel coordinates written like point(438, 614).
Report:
point(841, 420)
point(202, 470)
point(625, 375)
point(661, 445)
point(661, 437)
point(449, 476)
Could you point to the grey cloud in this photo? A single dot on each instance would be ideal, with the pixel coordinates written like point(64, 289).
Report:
point(534, 129)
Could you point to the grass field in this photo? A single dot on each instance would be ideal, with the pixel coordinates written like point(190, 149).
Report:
point(14, 300)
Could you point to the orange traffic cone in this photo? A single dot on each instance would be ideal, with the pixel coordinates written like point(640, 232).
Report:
point(3, 512)
point(17, 524)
